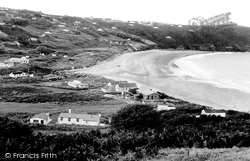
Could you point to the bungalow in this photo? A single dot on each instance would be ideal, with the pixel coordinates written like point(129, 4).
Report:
point(151, 96)
point(77, 84)
point(210, 112)
point(79, 119)
point(18, 74)
point(108, 89)
point(22, 60)
point(164, 107)
point(32, 39)
point(42, 118)
point(124, 87)
point(114, 83)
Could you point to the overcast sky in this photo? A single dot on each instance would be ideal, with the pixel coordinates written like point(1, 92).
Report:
point(170, 11)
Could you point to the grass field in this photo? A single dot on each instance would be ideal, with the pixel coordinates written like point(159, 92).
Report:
point(193, 154)
point(7, 107)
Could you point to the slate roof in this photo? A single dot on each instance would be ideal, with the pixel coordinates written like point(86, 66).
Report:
point(109, 88)
point(86, 117)
point(114, 83)
point(41, 116)
point(131, 85)
point(214, 111)
point(153, 93)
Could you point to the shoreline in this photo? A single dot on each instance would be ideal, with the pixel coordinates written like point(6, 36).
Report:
point(132, 67)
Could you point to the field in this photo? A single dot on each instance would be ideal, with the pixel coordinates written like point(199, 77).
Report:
point(7, 107)
point(197, 154)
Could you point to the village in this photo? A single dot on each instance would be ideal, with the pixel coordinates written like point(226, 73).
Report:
point(118, 90)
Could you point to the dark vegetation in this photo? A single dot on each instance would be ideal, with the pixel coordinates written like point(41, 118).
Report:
point(222, 38)
point(137, 130)
point(56, 97)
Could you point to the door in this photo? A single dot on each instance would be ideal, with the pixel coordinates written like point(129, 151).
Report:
point(42, 122)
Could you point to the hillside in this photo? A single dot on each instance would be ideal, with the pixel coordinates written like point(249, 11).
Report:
point(82, 42)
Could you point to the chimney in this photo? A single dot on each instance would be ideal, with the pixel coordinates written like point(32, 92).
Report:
point(99, 121)
point(69, 110)
point(109, 120)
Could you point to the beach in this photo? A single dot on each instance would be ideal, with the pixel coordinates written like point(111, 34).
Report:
point(213, 80)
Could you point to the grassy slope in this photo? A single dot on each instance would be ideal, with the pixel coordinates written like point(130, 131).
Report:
point(230, 154)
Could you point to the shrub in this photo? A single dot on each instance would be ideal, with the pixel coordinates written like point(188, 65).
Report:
point(138, 117)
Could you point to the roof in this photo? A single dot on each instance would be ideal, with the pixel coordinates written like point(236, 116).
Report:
point(86, 117)
point(153, 93)
point(18, 73)
point(109, 88)
point(133, 85)
point(41, 116)
point(113, 83)
point(214, 111)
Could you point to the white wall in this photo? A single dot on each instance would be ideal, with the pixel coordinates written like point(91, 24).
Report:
point(81, 122)
point(39, 120)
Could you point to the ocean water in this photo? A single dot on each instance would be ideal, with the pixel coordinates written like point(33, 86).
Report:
point(224, 69)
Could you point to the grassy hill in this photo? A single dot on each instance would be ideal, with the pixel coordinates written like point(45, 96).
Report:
point(24, 32)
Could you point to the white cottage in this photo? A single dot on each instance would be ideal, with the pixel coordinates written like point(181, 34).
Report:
point(79, 119)
point(18, 74)
point(124, 87)
point(22, 60)
point(164, 107)
point(209, 112)
point(42, 118)
point(77, 84)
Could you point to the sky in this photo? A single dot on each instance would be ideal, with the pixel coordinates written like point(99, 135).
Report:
point(167, 11)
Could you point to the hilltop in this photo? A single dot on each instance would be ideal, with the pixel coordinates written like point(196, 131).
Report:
point(85, 41)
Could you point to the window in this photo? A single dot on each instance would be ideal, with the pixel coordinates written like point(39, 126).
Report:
point(35, 121)
point(69, 119)
point(77, 119)
point(61, 118)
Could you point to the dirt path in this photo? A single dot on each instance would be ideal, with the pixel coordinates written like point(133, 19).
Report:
point(150, 70)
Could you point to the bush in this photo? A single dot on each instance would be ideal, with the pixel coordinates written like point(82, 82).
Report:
point(136, 117)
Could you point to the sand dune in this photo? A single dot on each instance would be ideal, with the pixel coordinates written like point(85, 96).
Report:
point(180, 75)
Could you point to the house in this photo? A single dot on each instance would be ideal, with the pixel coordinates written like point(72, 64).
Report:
point(108, 89)
point(18, 74)
point(42, 118)
point(114, 83)
point(151, 96)
point(22, 60)
point(77, 84)
point(164, 107)
point(32, 39)
point(79, 119)
point(65, 30)
point(101, 30)
point(61, 25)
point(53, 54)
point(114, 27)
point(124, 87)
point(210, 112)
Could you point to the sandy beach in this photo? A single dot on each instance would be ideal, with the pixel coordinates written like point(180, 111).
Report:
point(194, 76)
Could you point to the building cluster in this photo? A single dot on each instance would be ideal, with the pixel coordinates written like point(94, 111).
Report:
point(69, 119)
point(13, 61)
point(118, 87)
